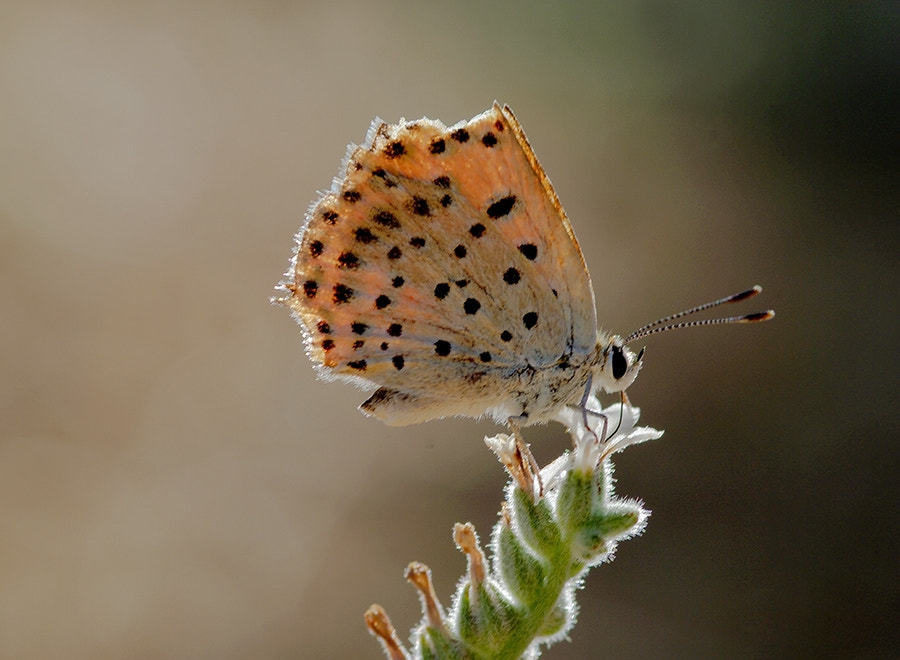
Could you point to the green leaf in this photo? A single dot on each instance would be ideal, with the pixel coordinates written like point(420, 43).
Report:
point(576, 500)
point(521, 572)
point(535, 524)
point(555, 622)
point(486, 622)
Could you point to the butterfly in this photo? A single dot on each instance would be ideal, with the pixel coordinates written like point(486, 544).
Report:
point(441, 272)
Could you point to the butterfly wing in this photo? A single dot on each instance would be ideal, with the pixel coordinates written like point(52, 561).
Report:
point(440, 267)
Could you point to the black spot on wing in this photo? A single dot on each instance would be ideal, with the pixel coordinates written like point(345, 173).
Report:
point(389, 181)
point(460, 135)
point(501, 207)
point(364, 235)
point(529, 250)
point(348, 260)
point(394, 149)
point(386, 219)
point(419, 206)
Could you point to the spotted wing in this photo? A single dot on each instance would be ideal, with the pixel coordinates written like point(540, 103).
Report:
point(439, 267)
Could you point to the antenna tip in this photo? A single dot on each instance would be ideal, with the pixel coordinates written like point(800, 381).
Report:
point(758, 316)
point(749, 293)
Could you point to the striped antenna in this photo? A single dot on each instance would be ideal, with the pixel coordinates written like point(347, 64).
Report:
point(664, 324)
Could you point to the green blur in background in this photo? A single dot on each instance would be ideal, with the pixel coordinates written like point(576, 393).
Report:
point(174, 482)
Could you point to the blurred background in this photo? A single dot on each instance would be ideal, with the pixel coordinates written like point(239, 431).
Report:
point(174, 482)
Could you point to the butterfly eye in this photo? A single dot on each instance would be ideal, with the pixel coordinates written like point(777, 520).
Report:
point(619, 362)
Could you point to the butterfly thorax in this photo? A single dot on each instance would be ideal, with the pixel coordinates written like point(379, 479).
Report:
point(543, 391)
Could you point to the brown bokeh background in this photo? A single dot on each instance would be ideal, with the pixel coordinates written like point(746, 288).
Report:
point(175, 483)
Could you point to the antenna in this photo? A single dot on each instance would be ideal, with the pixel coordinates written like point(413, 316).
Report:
point(665, 323)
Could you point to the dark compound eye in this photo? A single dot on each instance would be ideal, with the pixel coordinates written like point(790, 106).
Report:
point(619, 362)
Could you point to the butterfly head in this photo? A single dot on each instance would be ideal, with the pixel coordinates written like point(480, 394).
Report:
point(617, 366)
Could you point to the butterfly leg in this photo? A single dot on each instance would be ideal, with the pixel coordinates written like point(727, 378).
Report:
point(585, 411)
